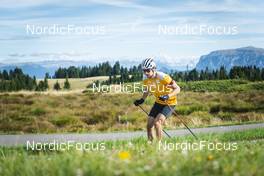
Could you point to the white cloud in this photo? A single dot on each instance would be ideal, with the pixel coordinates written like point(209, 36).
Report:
point(131, 26)
point(24, 3)
point(32, 3)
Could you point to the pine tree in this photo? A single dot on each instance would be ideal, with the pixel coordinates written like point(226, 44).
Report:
point(46, 84)
point(41, 86)
point(34, 82)
point(193, 75)
point(116, 68)
point(16, 80)
point(110, 79)
point(47, 75)
point(222, 73)
point(57, 86)
point(67, 84)
point(29, 83)
point(5, 75)
point(258, 74)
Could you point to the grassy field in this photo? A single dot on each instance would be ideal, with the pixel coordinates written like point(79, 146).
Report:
point(84, 112)
point(76, 83)
point(222, 85)
point(201, 103)
point(195, 86)
point(137, 157)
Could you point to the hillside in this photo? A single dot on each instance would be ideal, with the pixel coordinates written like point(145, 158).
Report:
point(247, 56)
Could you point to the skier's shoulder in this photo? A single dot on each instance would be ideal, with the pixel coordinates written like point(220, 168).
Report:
point(161, 75)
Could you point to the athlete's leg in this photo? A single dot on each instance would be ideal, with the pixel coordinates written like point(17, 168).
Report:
point(158, 122)
point(150, 125)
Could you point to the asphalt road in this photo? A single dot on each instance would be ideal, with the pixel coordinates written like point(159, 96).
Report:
point(14, 140)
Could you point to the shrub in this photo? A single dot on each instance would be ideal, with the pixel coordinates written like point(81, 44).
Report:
point(38, 111)
point(237, 106)
point(214, 109)
point(186, 110)
point(62, 121)
point(225, 116)
point(183, 110)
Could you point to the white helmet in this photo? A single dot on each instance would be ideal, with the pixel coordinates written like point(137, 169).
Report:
point(148, 64)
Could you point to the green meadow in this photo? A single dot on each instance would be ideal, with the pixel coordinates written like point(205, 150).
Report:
point(137, 157)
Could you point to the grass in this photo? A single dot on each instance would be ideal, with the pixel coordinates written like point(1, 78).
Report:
point(77, 111)
point(85, 112)
point(230, 85)
point(221, 86)
point(76, 83)
point(137, 157)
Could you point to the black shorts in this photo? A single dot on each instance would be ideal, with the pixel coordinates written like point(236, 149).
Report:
point(160, 108)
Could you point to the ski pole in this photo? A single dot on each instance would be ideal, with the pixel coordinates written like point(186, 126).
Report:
point(147, 115)
point(173, 111)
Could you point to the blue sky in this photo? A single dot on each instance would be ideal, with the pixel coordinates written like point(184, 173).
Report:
point(131, 28)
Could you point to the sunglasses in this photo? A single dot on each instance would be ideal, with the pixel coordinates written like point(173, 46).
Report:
point(146, 70)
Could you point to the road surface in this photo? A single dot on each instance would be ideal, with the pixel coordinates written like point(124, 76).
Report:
point(14, 140)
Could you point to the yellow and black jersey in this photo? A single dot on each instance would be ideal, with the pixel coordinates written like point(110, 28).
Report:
point(158, 87)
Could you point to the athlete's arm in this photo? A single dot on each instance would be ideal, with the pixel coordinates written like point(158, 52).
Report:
point(175, 88)
point(141, 100)
point(145, 94)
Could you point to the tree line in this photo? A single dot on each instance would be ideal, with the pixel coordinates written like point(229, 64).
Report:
point(16, 80)
point(116, 73)
point(251, 73)
point(122, 74)
point(103, 69)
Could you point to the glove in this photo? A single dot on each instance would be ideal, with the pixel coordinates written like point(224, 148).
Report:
point(164, 97)
point(139, 102)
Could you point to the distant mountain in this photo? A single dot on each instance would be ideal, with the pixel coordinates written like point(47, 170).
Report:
point(233, 57)
point(39, 68)
point(246, 56)
point(29, 68)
